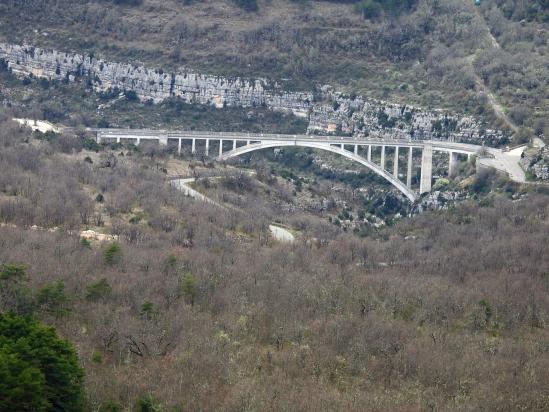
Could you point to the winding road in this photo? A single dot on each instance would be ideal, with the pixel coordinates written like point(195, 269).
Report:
point(278, 233)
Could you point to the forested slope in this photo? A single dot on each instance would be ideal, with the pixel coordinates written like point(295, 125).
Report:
point(195, 308)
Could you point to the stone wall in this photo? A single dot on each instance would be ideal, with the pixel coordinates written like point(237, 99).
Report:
point(332, 112)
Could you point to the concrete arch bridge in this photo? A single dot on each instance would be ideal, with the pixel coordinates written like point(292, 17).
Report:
point(361, 150)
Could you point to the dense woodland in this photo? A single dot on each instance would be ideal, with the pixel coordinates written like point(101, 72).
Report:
point(196, 308)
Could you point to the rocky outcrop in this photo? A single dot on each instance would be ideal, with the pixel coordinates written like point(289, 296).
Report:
point(537, 163)
point(439, 200)
point(328, 111)
point(358, 116)
point(149, 84)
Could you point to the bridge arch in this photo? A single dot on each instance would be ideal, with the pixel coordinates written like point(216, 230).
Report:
point(327, 147)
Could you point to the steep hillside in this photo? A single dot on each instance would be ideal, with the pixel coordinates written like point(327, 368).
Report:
point(414, 52)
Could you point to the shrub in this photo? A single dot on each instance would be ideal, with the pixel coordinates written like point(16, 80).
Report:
point(85, 242)
point(368, 8)
point(373, 8)
point(112, 253)
point(522, 136)
point(189, 288)
point(128, 2)
point(147, 310)
point(131, 95)
point(110, 406)
point(248, 5)
point(98, 290)
point(519, 114)
point(483, 181)
point(441, 184)
point(148, 404)
point(92, 145)
point(14, 292)
point(52, 298)
point(13, 273)
point(96, 357)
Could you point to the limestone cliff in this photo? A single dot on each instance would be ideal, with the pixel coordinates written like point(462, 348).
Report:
point(331, 112)
point(359, 116)
point(150, 84)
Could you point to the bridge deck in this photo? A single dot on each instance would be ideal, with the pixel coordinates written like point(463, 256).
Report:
point(146, 134)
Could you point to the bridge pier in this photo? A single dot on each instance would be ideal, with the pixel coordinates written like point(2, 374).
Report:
point(179, 146)
point(409, 171)
point(356, 149)
point(207, 147)
point(370, 153)
point(220, 147)
point(138, 141)
point(426, 169)
point(453, 161)
point(382, 157)
point(163, 140)
point(234, 144)
point(193, 146)
point(395, 163)
point(118, 140)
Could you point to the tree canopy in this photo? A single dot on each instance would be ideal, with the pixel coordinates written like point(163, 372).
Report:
point(38, 370)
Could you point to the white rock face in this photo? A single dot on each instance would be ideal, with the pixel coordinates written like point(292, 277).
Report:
point(149, 84)
point(39, 125)
point(333, 113)
point(359, 116)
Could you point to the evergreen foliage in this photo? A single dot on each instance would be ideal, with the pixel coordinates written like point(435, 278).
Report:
point(98, 290)
point(38, 370)
point(113, 253)
point(248, 5)
point(189, 288)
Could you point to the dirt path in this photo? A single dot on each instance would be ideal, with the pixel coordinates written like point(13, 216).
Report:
point(496, 107)
point(482, 86)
